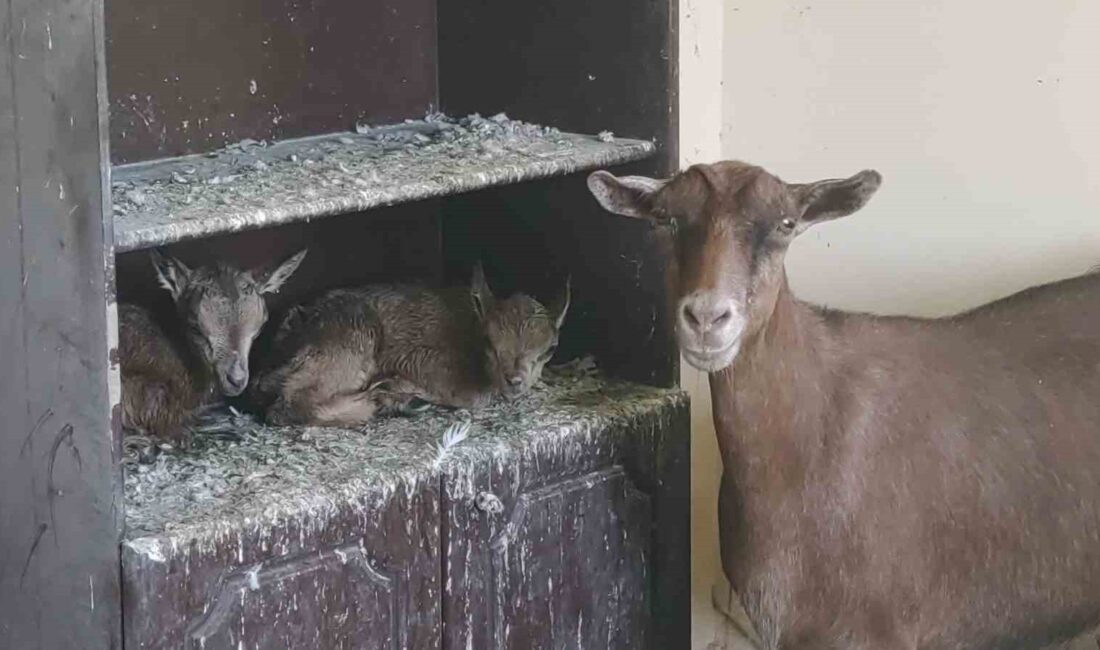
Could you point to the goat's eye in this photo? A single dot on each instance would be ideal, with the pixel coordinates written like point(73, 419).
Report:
point(786, 225)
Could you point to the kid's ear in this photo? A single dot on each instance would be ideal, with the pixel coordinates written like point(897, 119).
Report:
point(480, 293)
point(172, 274)
point(561, 304)
point(275, 279)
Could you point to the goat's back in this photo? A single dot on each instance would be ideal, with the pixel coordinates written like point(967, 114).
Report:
point(158, 390)
point(963, 466)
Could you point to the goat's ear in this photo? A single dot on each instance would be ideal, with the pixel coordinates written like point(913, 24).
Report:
point(480, 293)
point(277, 278)
point(560, 306)
point(630, 196)
point(172, 274)
point(832, 199)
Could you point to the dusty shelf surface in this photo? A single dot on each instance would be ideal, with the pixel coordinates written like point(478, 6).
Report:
point(239, 473)
point(253, 184)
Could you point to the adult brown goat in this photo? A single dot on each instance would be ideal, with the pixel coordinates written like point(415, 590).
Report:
point(888, 482)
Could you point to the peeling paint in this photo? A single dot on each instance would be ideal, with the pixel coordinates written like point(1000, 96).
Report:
point(147, 547)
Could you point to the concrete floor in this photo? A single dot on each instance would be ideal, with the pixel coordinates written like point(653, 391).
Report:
point(715, 625)
point(713, 631)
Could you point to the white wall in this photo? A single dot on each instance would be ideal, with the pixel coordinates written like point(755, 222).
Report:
point(982, 115)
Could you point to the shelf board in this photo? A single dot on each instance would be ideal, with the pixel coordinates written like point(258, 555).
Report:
point(251, 476)
point(254, 185)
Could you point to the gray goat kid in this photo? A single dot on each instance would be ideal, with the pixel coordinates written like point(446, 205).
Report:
point(220, 312)
point(354, 352)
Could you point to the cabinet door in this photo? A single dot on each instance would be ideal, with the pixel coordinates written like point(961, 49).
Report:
point(565, 565)
point(366, 576)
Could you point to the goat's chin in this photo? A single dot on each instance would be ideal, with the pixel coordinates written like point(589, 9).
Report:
point(230, 391)
point(711, 360)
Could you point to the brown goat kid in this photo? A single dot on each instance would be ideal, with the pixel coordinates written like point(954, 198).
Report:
point(354, 352)
point(888, 482)
point(220, 312)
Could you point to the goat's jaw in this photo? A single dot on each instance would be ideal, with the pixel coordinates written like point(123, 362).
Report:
point(711, 359)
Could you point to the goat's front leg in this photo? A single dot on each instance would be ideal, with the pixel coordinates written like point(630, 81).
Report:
point(349, 410)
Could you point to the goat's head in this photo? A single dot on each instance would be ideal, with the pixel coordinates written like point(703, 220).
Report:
point(733, 223)
point(222, 310)
point(521, 332)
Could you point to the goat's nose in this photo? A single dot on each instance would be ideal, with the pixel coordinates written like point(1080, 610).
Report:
point(703, 314)
point(237, 375)
point(515, 380)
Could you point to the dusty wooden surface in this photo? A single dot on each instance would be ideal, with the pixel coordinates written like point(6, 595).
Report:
point(252, 185)
point(59, 483)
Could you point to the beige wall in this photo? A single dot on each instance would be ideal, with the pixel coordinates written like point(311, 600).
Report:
point(982, 115)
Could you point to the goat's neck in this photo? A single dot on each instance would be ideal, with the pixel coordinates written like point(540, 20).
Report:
point(768, 405)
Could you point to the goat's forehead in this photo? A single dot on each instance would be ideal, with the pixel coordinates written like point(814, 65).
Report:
point(725, 191)
point(219, 302)
point(521, 315)
point(224, 282)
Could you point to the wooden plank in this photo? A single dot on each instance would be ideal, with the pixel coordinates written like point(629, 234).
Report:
point(558, 542)
point(672, 532)
point(189, 77)
point(584, 67)
point(59, 480)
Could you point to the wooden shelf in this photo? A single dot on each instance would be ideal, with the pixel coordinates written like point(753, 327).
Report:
point(254, 185)
point(256, 476)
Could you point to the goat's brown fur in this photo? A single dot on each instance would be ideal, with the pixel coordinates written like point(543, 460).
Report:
point(166, 375)
point(888, 482)
point(353, 352)
point(158, 390)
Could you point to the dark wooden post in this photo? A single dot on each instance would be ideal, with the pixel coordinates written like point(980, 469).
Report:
point(60, 499)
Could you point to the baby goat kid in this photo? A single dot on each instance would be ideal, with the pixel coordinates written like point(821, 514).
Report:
point(354, 352)
point(220, 312)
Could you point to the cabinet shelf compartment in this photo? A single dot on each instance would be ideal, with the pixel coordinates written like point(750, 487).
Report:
point(221, 537)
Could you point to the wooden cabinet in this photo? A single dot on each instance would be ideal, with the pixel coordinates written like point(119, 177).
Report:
point(551, 525)
point(227, 131)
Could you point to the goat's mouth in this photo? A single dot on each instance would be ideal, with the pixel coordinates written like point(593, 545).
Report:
point(231, 388)
point(513, 392)
point(231, 391)
point(711, 359)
